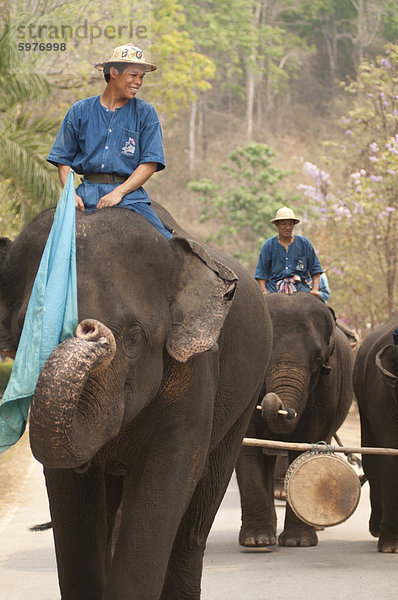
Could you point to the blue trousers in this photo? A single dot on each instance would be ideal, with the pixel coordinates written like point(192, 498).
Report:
point(146, 211)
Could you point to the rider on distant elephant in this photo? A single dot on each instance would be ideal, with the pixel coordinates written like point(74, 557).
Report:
point(287, 262)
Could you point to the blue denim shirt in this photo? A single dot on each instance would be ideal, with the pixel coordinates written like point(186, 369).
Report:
point(94, 139)
point(275, 263)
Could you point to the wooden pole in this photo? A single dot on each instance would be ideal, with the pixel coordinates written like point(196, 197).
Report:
point(301, 447)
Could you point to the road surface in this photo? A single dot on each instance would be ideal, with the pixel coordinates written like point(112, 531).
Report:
point(344, 566)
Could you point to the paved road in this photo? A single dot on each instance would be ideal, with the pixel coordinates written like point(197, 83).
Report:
point(344, 566)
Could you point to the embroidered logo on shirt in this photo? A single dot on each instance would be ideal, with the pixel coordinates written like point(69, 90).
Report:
point(129, 147)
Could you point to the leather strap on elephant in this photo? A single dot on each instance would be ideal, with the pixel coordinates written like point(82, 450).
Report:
point(387, 362)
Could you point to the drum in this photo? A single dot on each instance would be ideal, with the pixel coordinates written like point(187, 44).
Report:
point(322, 489)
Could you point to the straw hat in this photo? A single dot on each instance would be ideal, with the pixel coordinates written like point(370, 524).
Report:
point(128, 54)
point(282, 214)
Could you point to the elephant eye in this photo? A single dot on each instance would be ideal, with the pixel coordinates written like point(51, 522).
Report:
point(134, 341)
point(316, 362)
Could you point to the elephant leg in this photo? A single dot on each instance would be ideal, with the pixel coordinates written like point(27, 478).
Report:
point(170, 459)
point(77, 506)
point(382, 474)
point(281, 465)
point(372, 468)
point(186, 560)
point(388, 539)
point(296, 533)
point(255, 475)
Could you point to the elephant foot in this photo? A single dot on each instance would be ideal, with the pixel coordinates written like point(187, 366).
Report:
point(261, 539)
point(388, 544)
point(299, 537)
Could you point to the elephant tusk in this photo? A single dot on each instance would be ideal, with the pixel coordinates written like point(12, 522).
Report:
point(290, 413)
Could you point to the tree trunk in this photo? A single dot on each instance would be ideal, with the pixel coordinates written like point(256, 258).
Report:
point(192, 141)
point(249, 102)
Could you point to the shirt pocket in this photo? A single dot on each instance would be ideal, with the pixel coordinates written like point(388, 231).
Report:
point(301, 264)
point(130, 146)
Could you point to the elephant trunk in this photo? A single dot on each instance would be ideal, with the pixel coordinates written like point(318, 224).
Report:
point(286, 399)
point(67, 429)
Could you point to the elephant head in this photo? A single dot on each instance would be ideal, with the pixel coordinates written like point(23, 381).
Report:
point(303, 344)
point(143, 302)
point(387, 364)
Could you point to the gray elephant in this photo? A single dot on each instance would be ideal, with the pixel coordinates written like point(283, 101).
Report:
point(309, 377)
point(375, 379)
point(146, 407)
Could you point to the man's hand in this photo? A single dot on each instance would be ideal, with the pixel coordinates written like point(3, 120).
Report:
point(263, 286)
point(112, 199)
point(79, 203)
point(315, 285)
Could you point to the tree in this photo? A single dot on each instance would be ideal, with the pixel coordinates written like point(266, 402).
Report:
point(255, 57)
point(329, 26)
point(360, 212)
point(244, 204)
point(28, 183)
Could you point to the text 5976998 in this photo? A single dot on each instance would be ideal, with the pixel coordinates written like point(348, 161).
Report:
point(42, 46)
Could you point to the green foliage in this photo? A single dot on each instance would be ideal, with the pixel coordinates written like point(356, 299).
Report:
point(390, 20)
point(329, 25)
point(183, 72)
point(27, 182)
point(244, 204)
point(240, 34)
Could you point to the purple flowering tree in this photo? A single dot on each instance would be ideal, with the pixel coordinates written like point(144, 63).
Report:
point(358, 211)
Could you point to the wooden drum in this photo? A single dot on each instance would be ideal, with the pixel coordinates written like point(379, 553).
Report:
point(322, 489)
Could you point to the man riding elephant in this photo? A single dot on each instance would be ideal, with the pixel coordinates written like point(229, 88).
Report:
point(113, 140)
point(287, 262)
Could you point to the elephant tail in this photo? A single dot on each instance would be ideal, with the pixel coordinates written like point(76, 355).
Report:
point(41, 526)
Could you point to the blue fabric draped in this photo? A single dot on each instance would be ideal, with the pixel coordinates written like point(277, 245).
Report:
point(51, 317)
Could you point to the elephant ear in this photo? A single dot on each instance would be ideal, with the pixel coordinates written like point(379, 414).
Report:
point(5, 335)
point(203, 296)
point(387, 363)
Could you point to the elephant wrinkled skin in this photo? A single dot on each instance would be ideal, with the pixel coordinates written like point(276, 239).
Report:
point(375, 381)
point(142, 413)
point(309, 377)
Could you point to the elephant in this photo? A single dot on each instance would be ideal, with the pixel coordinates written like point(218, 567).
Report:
point(375, 380)
point(141, 414)
point(309, 378)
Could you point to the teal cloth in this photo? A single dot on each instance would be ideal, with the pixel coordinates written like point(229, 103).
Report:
point(51, 317)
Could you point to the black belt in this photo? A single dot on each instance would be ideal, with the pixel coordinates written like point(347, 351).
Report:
point(104, 177)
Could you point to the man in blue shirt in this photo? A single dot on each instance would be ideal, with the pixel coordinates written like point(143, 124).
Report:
point(287, 261)
point(113, 140)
